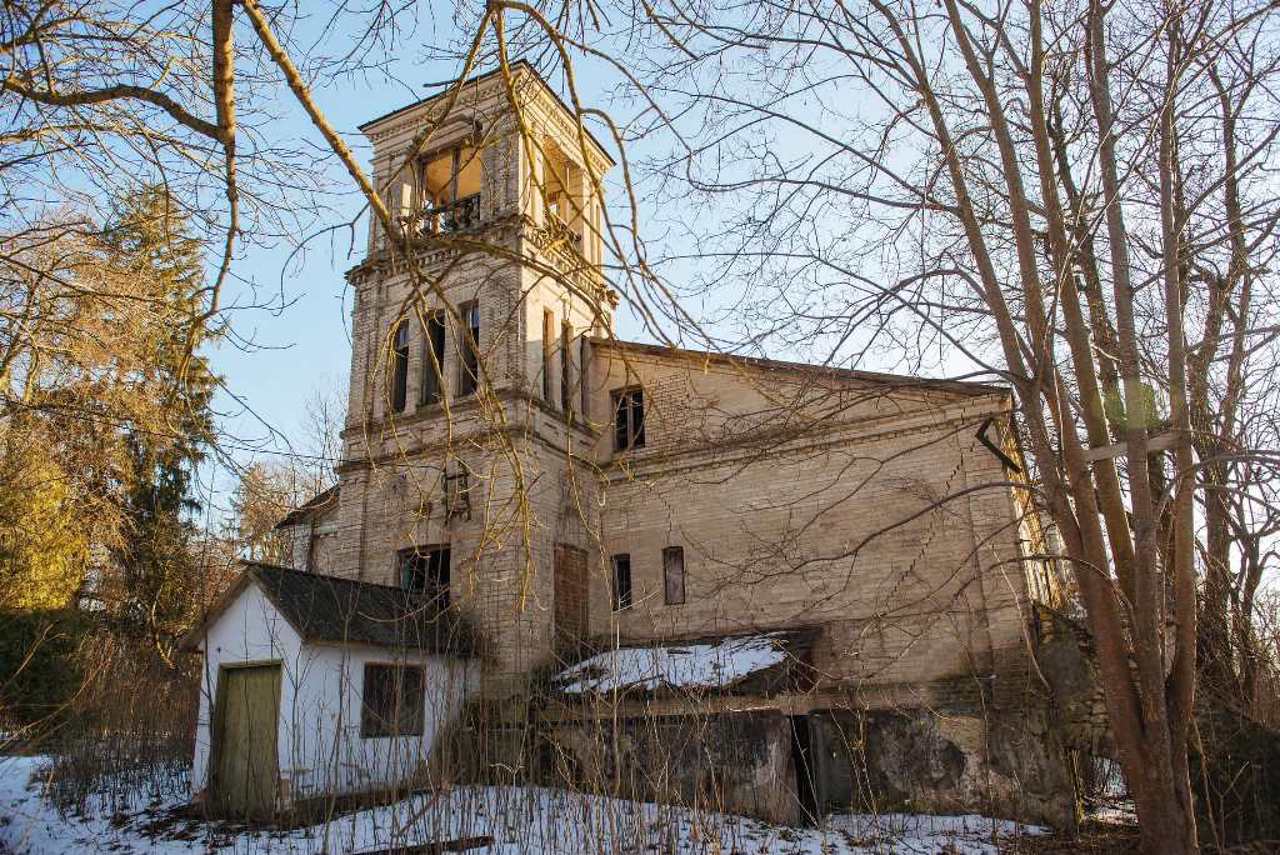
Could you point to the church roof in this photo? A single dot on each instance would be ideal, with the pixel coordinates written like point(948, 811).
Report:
point(331, 610)
point(897, 381)
point(516, 66)
point(319, 503)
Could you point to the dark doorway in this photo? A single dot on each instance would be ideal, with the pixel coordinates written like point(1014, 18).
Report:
point(802, 760)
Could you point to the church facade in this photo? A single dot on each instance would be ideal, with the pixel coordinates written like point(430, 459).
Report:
point(756, 585)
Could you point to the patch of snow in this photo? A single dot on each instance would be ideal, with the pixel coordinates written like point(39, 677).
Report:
point(685, 666)
point(519, 819)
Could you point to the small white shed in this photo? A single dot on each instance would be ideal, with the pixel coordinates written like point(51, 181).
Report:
point(317, 686)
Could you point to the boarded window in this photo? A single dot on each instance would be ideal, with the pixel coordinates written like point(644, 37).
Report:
point(548, 348)
point(628, 419)
point(433, 359)
point(673, 574)
point(621, 582)
point(393, 701)
point(469, 369)
point(425, 570)
point(400, 367)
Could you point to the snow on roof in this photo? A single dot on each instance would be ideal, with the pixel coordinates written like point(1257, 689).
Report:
point(707, 665)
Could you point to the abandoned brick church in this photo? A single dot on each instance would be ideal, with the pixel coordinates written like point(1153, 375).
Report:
point(556, 556)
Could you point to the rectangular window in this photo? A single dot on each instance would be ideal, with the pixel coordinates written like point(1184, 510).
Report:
point(548, 346)
point(470, 347)
point(400, 368)
point(628, 419)
point(433, 359)
point(457, 494)
point(425, 570)
point(673, 575)
point(393, 698)
point(621, 582)
point(566, 368)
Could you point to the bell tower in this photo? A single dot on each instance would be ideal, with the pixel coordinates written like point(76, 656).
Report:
point(471, 362)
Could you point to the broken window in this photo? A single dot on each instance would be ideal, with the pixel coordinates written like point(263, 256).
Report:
point(548, 343)
point(400, 367)
point(621, 593)
point(673, 575)
point(433, 359)
point(469, 369)
point(457, 495)
point(425, 570)
point(451, 182)
point(393, 699)
point(628, 419)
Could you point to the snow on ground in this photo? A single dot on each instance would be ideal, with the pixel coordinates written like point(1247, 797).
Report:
point(711, 666)
point(519, 819)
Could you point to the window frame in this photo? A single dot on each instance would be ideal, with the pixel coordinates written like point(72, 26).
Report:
point(566, 368)
point(621, 596)
point(402, 719)
point(398, 397)
point(670, 554)
point(548, 352)
point(633, 429)
point(436, 552)
point(469, 348)
point(434, 344)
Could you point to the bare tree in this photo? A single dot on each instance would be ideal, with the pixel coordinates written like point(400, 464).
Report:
point(1072, 198)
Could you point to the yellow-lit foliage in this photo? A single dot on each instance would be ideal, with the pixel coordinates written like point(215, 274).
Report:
point(43, 545)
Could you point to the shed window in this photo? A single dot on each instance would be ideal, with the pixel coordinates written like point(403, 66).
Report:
point(400, 367)
point(425, 570)
point(628, 419)
point(433, 359)
point(470, 348)
point(673, 575)
point(621, 582)
point(393, 701)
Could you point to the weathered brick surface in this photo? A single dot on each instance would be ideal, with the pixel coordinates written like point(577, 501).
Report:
point(860, 503)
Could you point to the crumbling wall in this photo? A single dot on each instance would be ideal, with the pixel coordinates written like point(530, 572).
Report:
point(734, 762)
point(1006, 763)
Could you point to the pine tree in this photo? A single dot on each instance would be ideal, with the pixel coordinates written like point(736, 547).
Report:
point(157, 590)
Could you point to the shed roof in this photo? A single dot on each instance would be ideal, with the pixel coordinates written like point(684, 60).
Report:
point(331, 610)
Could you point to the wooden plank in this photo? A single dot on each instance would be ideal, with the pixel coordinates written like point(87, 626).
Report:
point(247, 764)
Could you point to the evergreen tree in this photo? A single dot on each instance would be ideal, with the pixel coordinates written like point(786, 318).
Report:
point(158, 587)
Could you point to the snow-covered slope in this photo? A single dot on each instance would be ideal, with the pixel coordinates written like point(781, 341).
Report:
point(519, 819)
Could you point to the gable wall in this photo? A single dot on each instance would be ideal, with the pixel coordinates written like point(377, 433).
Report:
point(783, 524)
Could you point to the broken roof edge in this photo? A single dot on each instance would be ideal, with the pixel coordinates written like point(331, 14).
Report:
point(319, 502)
point(789, 671)
point(969, 388)
point(476, 79)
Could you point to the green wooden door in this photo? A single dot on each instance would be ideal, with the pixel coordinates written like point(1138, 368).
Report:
point(246, 766)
